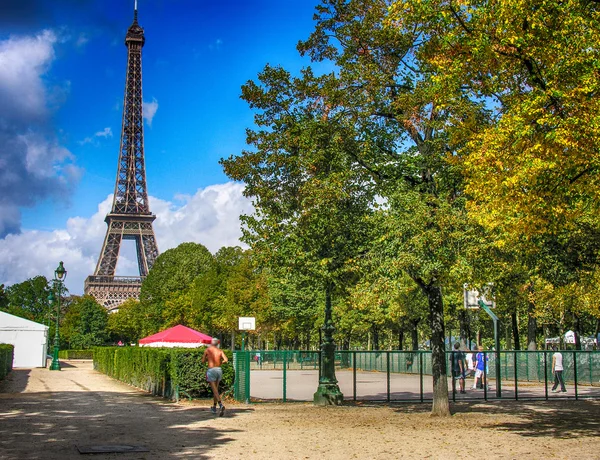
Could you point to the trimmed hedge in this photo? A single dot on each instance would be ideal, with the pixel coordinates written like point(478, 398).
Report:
point(166, 372)
point(6, 359)
point(76, 354)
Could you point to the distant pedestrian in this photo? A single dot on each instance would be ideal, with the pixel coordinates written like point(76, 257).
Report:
point(470, 364)
point(557, 370)
point(215, 357)
point(457, 358)
point(480, 368)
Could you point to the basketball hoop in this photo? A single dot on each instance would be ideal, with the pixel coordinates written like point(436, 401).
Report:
point(473, 296)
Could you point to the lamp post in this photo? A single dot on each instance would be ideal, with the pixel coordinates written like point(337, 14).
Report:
point(328, 392)
point(59, 276)
point(51, 300)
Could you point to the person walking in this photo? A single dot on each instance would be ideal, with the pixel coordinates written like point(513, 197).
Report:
point(215, 357)
point(458, 368)
point(557, 370)
point(470, 364)
point(480, 368)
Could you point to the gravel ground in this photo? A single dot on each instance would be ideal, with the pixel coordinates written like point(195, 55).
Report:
point(48, 415)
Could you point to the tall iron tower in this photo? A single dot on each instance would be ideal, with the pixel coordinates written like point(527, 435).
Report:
point(130, 217)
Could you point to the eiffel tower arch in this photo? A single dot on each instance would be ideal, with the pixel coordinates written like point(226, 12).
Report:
point(130, 217)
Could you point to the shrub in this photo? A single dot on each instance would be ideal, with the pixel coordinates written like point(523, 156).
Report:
point(76, 354)
point(6, 359)
point(167, 372)
point(188, 372)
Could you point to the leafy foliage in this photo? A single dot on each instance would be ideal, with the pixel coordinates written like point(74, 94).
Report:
point(76, 354)
point(6, 359)
point(28, 299)
point(85, 323)
point(161, 371)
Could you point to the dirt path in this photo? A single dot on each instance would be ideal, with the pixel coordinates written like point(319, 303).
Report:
point(46, 415)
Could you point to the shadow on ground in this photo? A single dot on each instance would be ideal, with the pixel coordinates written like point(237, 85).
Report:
point(556, 419)
point(16, 380)
point(52, 425)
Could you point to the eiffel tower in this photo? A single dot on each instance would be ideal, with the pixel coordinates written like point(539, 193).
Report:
point(130, 217)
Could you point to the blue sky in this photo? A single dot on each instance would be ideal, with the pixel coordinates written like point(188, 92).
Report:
point(68, 59)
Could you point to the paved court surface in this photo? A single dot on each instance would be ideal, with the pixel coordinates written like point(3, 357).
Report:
point(47, 415)
point(372, 386)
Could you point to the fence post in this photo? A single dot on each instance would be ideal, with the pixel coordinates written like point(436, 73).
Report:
point(575, 373)
point(354, 375)
point(527, 366)
point(387, 355)
point(247, 371)
point(421, 374)
point(589, 355)
point(451, 373)
point(284, 376)
point(546, 375)
point(516, 376)
point(485, 375)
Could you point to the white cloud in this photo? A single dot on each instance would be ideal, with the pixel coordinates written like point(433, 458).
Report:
point(23, 61)
point(149, 110)
point(33, 164)
point(209, 217)
point(105, 133)
point(81, 40)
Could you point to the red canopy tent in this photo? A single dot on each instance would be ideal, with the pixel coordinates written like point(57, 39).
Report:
point(177, 336)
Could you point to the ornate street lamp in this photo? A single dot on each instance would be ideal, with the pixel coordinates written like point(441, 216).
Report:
point(51, 300)
point(59, 276)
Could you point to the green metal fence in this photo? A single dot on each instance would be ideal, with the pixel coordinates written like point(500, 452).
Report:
point(406, 375)
point(241, 386)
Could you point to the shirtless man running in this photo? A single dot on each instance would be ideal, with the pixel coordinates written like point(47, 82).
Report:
point(215, 357)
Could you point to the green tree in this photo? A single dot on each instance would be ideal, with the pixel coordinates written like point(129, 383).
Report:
point(85, 323)
point(404, 127)
point(170, 277)
point(3, 298)
point(312, 204)
point(126, 324)
point(29, 299)
point(534, 168)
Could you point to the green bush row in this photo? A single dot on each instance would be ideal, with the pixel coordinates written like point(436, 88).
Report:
point(6, 359)
point(76, 354)
point(168, 372)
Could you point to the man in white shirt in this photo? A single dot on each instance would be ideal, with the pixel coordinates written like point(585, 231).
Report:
point(557, 370)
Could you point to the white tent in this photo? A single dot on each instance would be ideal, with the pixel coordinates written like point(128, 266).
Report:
point(29, 339)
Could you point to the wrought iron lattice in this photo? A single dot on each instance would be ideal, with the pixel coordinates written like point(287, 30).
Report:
point(130, 216)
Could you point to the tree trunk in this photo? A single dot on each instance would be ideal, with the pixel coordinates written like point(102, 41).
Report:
point(531, 327)
point(515, 330)
point(414, 334)
point(375, 338)
point(401, 339)
point(508, 338)
point(441, 405)
point(577, 331)
point(463, 325)
point(346, 343)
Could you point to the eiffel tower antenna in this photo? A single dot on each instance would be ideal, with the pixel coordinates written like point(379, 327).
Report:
point(130, 216)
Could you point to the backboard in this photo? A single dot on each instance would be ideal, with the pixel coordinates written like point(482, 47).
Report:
point(472, 296)
point(246, 323)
